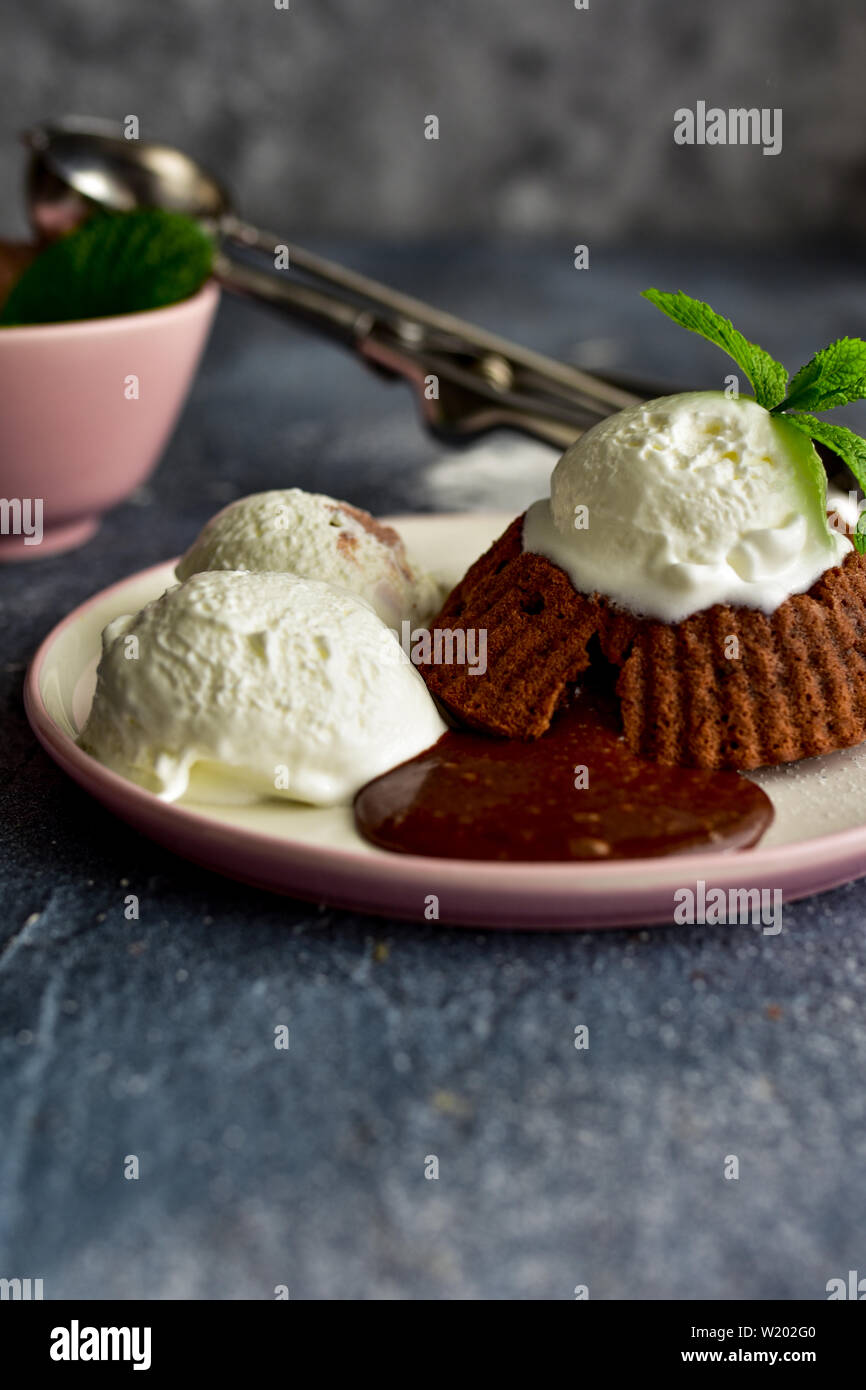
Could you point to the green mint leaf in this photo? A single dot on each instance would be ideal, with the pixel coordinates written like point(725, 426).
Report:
point(844, 442)
point(768, 377)
point(119, 263)
point(805, 457)
point(835, 376)
point(859, 536)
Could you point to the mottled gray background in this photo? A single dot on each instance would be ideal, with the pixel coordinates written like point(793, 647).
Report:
point(552, 120)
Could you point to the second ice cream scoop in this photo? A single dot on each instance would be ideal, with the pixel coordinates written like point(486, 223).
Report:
point(316, 537)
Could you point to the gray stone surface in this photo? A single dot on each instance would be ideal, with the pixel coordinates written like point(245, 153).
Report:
point(305, 1167)
point(551, 119)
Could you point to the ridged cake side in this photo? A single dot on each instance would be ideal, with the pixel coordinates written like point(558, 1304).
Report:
point(732, 687)
point(537, 628)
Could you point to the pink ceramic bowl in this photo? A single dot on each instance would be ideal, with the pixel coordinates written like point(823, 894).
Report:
point(86, 409)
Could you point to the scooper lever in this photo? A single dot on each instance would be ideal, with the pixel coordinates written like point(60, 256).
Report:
point(462, 390)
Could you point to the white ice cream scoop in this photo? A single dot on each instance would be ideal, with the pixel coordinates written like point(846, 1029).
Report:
point(317, 537)
point(687, 501)
point(279, 686)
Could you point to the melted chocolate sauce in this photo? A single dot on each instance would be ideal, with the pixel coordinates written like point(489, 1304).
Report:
point(575, 793)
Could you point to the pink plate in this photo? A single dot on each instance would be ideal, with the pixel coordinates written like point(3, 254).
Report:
point(817, 841)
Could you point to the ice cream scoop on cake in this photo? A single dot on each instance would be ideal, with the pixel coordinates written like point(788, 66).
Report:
point(686, 501)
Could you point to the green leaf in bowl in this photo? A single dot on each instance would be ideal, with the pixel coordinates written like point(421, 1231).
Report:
point(117, 263)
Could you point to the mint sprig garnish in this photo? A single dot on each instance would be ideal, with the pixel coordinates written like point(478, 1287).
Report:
point(768, 377)
point(117, 263)
point(835, 376)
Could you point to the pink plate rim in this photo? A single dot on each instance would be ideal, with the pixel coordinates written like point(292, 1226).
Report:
point(471, 893)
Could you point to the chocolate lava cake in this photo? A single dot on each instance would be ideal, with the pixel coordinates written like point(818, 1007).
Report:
point(797, 687)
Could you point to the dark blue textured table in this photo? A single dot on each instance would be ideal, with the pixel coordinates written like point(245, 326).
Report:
point(306, 1167)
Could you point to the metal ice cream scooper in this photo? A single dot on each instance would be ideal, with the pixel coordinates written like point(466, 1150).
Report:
point(482, 380)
